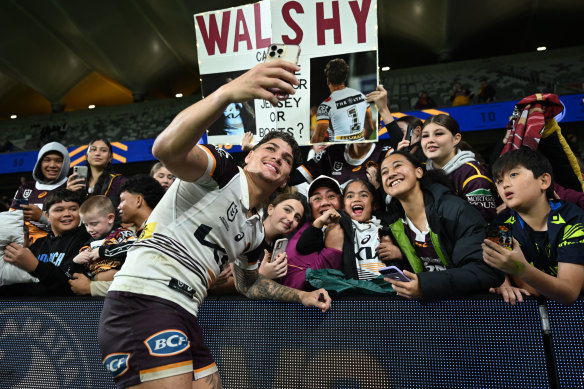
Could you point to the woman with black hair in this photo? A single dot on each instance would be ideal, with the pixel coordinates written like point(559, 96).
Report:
point(439, 234)
point(101, 180)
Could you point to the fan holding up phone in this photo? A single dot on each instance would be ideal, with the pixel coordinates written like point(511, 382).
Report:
point(411, 127)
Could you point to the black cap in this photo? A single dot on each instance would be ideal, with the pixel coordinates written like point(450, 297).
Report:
point(327, 182)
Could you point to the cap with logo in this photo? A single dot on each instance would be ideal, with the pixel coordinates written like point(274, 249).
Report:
point(324, 181)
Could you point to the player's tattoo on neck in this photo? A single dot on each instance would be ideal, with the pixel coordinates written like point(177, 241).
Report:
point(255, 286)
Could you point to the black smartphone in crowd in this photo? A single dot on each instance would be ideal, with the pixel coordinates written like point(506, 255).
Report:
point(20, 202)
point(408, 137)
point(409, 132)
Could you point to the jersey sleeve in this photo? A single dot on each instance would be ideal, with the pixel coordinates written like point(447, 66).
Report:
point(317, 166)
point(221, 167)
point(323, 112)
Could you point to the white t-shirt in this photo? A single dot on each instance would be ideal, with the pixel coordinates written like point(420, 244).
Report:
point(345, 111)
point(196, 228)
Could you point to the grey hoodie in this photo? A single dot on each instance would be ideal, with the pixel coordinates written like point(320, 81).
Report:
point(52, 146)
point(457, 161)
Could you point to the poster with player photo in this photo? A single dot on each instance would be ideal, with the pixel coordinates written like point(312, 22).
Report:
point(237, 117)
point(339, 84)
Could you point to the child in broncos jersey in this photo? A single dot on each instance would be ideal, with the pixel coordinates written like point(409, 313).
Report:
point(105, 253)
point(208, 219)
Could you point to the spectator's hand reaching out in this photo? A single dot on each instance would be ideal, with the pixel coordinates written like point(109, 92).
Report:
point(510, 293)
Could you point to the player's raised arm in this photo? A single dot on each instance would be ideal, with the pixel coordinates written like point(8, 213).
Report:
point(175, 146)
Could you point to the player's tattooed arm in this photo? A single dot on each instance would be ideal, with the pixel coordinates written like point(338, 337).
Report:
point(255, 286)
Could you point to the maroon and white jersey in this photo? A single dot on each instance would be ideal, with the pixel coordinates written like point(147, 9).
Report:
point(335, 161)
point(35, 193)
point(344, 111)
point(196, 229)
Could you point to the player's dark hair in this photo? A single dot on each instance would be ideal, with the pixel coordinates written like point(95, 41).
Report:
point(530, 159)
point(61, 194)
point(145, 186)
point(336, 71)
point(288, 138)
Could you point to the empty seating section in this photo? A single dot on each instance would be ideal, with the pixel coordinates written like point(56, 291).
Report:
point(117, 123)
point(513, 77)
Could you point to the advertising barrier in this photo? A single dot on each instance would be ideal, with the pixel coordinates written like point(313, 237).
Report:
point(360, 343)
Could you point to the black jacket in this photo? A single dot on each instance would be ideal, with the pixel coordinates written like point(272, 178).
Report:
point(460, 230)
point(55, 255)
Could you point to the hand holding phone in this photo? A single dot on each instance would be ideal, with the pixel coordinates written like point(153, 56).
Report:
point(288, 53)
point(501, 235)
point(393, 273)
point(81, 172)
point(408, 136)
point(279, 247)
point(20, 202)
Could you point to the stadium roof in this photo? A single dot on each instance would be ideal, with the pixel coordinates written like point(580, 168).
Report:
point(68, 54)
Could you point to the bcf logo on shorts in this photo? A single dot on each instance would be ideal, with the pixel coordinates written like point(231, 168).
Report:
point(117, 364)
point(166, 343)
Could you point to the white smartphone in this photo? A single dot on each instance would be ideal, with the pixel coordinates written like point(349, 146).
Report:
point(279, 247)
point(394, 273)
point(288, 53)
point(81, 172)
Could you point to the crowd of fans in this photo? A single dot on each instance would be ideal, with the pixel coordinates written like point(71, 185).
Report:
point(422, 203)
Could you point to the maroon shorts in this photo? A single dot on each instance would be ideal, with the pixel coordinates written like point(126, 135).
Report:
point(144, 338)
